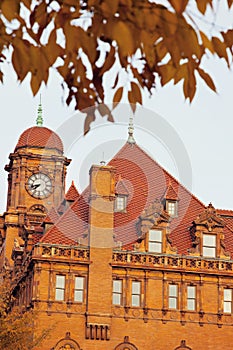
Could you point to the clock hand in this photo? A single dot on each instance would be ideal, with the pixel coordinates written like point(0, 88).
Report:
point(34, 187)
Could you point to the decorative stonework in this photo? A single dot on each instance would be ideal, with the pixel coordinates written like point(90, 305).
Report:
point(183, 346)
point(208, 222)
point(126, 345)
point(67, 344)
point(152, 218)
point(96, 331)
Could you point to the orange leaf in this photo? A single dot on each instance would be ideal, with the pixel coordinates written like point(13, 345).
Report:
point(1, 77)
point(35, 84)
point(189, 86)
point(9, 10)
point(166, 72)
point(230, 2)
point(134, 95)
point(206, 42)
point(20, 58)
point(202, 4)
point(124, 38)
point(179, 6)
point(117, 96)
point(208, 80)
point(88, 120)
point(220, 48)
point(109, 61)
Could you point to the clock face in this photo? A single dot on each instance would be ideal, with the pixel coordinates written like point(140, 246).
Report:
point(39, 185)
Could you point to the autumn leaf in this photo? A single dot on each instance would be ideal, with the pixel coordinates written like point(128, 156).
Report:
point(179, 6)
point(90, 118)
point(109, 61)
point(202, 5)
point(117, 96)
point(134, 96)
point(124, 38)
point(10, 10)
point(1, 77)
point(206, 77)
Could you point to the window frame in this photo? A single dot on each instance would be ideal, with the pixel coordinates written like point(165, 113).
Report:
point(175, 213)
point(117, 293)
point(191, 298)
point(173, 297)
point(136, 294)
point(227, 302)
point(60, 289)
point(82, 290)
point(120, 208)
point(208, 246)
point(158, 242)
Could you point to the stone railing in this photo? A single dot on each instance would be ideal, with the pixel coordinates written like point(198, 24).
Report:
point(58, 251)
point(172, 262)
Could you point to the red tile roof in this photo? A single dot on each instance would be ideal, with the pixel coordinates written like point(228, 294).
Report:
point(72, 193)
point(121, 187)
point(170, 193)
point(145, 180)
point(51, 217)
point(41, 137)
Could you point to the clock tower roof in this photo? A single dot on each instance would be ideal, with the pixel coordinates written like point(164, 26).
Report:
point(39, 137)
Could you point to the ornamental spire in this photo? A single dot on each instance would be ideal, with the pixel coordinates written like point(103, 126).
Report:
point(39, 119)
point(131, 139)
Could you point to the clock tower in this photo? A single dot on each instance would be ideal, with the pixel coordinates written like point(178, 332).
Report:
point(36, 181)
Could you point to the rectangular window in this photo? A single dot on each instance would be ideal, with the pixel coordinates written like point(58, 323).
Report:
point(209, 245)
point(171, 208)
point(136, 293)
point(79, 289)
point(155, 241)
point(173, 296)
point(227, 300)
point(191, 298)
point(117, 292)
point(60, 287)
point(120, 203)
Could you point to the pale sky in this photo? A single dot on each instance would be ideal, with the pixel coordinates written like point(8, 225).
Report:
point(204, 131)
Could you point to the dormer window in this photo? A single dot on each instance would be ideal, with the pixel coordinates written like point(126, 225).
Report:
point(209, 245)
point(155, 242)
point(171, 208)
point(120, 203)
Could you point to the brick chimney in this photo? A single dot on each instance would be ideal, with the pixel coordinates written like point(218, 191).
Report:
point(101, 220)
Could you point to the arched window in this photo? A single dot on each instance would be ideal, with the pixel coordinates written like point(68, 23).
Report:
point(183, 346)
point(126, 345)
point(66, 344)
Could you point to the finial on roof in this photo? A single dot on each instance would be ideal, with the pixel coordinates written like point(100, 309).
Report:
point(39, 119)
point(130, 132)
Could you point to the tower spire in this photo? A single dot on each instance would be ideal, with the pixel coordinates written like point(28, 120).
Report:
point(39, 119)
point(131, 139)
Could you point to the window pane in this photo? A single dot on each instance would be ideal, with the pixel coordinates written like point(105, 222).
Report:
point(79, 282)
point(59, 294)
point(172, 303)
point(78, 295)
point(116, 300)
point(172, 290)
point(155, 247)
point(60, 281)
point(191, 305)
point(117, 286)
point(171, 208)
point(209, 252)
point(227, 306)
point(227, 294)
point(191, 292)
point(209, 240)
point(155, 235)
point(135, 300)
point(136, 287)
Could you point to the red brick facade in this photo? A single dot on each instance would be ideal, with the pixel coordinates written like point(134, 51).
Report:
point(134, 262)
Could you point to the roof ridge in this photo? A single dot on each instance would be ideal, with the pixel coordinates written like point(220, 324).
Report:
point(170, 175)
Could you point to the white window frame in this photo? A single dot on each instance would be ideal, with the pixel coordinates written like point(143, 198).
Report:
point(117, 289)
point(79, 283)
point(191, 298)
point(172, 211)
point(207, 248)
point(227, 300)
point(60, 287)
point(173, 291)
point(155, 245)
point(136, 294)
point(120, 203)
